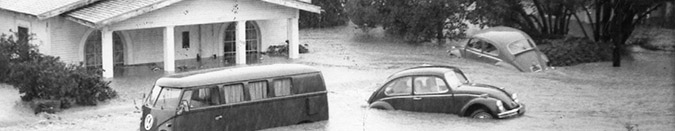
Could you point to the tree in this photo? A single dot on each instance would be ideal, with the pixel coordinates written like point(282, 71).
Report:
point(614, 21)
point(414, 20)
point(539, 18)
point(333, 15)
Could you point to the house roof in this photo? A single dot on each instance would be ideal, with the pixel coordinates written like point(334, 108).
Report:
point(98, 13)
point(111, 11)
point(43, 8)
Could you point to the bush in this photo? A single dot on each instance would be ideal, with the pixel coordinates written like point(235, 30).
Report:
point(572, 51)
point(282, 50)
point(43, 77)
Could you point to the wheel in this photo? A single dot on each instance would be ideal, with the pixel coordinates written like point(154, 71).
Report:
point(481, 114)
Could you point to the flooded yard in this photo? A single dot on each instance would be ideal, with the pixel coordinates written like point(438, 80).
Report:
point(593, 96)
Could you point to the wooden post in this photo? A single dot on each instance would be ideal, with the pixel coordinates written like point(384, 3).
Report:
point(107, 52)
point(241, 42)
point(169, 50)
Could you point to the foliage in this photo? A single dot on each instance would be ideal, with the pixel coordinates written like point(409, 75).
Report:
point(282, 50)
point(572, 51)
point(539, 18)
point(414, 20)
point(333, 15)
point(43, 77)
point(615, 20)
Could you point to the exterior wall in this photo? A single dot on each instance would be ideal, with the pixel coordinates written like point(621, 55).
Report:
point(68, 38)
point(39, 29)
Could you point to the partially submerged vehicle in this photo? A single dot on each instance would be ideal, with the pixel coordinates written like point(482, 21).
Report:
point(444, 89)
point(503, 46)
point(246, 98)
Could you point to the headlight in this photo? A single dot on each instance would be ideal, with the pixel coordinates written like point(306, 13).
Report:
point(500, 106)
point(514, 97)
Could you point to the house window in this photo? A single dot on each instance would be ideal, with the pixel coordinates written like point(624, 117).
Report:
point(257, 90)
point(282, 87)
point(186, 39)
point(23, 35)
point(232, 93)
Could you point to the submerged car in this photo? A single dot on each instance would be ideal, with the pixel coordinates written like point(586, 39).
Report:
point(504, 46)
point(444, 89)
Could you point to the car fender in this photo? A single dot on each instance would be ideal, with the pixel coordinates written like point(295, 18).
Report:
point(487, 102)
point(382, 105)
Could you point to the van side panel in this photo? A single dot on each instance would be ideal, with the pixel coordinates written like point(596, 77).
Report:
point(307, 83)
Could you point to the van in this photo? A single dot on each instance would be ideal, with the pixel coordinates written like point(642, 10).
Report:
point(246, 98)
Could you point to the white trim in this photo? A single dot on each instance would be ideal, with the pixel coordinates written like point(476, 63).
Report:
point(297, 5)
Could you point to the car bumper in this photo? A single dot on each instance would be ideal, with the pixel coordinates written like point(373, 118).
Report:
point(513, 112)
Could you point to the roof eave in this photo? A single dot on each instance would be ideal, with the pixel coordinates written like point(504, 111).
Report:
point(124, 16)
point(64, 9)
point(297, 4)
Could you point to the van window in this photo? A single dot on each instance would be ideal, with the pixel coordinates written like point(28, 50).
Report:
point(282, 87)
point(232, 93)
point(257, 90)
point(204, 97)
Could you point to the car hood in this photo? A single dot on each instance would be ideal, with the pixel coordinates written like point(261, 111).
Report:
point(492, 91)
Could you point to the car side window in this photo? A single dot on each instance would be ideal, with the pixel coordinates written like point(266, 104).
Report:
point(483, 46)
point(401, 86)
point(429, 85)
point(204, 97)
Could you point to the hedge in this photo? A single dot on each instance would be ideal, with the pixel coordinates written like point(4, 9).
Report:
point(572, 51)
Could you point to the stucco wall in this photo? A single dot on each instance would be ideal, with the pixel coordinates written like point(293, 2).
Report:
point(39, 29)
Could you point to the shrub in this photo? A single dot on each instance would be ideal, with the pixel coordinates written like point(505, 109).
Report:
point(572, 51)
point(43, 77)
point(282, 50)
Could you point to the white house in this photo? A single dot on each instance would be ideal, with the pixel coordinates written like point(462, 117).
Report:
point(128, 32)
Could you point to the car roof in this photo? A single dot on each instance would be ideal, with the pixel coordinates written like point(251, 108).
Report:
point(436, 70)
point(224, 75)
point(501, 35)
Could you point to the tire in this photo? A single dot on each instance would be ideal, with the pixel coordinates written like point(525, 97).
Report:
point(481, 114)
point(381, 105)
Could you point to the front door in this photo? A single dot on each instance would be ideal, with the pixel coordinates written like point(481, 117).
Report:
point(204, 114)
point(481, 51)
point(252, 43)
point(431, 95)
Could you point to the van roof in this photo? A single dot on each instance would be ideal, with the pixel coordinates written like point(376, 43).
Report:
point(216, 76)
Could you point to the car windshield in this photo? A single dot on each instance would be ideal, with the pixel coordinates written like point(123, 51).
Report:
point(520, 46)
point(163, 97)
point(455, 79)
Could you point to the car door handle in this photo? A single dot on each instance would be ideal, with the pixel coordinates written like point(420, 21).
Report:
point(219, 117)
point(417, 98)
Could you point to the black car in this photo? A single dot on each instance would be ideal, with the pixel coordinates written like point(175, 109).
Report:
point(444, 89)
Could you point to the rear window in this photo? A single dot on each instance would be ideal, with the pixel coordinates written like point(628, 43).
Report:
point(520, 46)
point(282, 87)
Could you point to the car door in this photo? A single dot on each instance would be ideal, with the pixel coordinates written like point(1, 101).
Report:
point(430, 94)
point(205, 113)
point(399, 93)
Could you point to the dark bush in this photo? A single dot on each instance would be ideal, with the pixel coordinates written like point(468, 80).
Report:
point(43, 77)
point(572, 51)
point(282, 50)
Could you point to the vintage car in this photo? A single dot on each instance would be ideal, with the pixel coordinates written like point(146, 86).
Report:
point(503, 46)
point(444, 89)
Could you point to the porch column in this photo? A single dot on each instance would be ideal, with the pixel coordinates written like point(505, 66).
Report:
point(107, 52)
point(241, 42)
point(293, 38)
point(169, 50)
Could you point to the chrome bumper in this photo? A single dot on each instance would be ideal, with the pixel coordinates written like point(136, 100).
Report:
point(518, 111)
